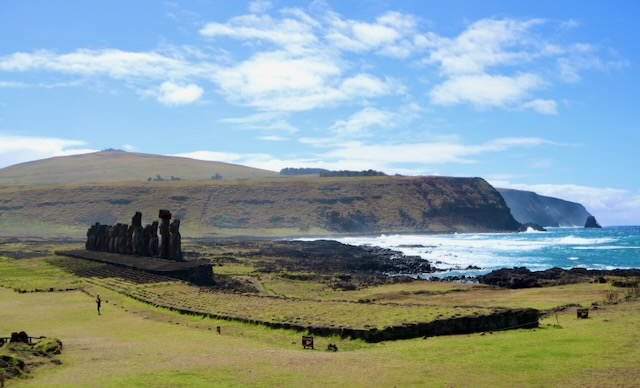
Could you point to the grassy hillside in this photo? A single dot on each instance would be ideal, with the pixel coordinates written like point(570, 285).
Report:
point(119, 166)
point(285, 206)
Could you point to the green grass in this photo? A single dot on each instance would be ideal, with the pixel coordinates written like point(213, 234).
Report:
point(135, 344)
point(132, 344)
point(35, 275)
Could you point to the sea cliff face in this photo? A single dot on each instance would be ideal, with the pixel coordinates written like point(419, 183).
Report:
point(529, 207)
point(280, 206)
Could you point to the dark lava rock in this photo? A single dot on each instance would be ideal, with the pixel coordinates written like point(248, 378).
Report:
point(521, 277)
point(591, 223)
point(323, 256)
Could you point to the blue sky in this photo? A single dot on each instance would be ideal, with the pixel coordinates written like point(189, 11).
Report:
point(536, 95)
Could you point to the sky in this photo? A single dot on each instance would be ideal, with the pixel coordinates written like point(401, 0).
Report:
point(532, 95)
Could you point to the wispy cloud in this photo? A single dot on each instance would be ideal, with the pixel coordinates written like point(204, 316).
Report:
point(263, 121)
point(391, 158)
point(500, 63)
point(114, 63)
point(362, 121)
point(17, 149)
point(390, 35)
point(297, 60)
point(484, 90)
point(547, 107)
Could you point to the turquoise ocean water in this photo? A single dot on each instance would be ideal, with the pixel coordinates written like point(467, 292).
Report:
point(606, 248)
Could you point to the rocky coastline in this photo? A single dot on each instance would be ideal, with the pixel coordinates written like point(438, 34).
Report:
point(349, 267)
point(521, 277)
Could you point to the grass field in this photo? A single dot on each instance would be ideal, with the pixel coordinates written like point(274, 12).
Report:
point(136, 344)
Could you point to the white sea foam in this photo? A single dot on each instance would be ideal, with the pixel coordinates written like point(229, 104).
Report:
point(572, 240)
point(534, 250)
point(607, 247)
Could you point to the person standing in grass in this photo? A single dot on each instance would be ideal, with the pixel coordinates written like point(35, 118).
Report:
point(98, 302)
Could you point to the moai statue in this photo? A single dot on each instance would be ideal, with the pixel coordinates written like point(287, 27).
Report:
point(165, 233)
point(175, 251)
point(122, 238)
point(146, 238)
point(152, 249)
point(135, 239)
point(100, 238)
point(92, 237)
point(111, 238)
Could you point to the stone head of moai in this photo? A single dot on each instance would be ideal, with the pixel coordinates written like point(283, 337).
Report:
point(164, 214)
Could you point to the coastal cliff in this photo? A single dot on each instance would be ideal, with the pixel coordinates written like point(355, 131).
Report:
point(529, 207)
point(265, 207)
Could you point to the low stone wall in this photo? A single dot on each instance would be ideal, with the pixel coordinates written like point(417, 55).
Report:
point(503, 319)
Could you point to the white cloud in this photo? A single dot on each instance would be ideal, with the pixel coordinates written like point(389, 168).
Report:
point(484, 90)
point(272, 138)
point(484, 44)
point(366, 85)
point(306, 70)
point(294, 35)
point(299, 61)
point(360, 122)
point(171, 93)
point(264, 121)
point(548, 107)
point(474, 65)
point(391, 34)
point(129, 147)
point(278, 81)
point(18, 149)
point(391, 158)
point(421, 153)
point(114, 63)
point(259, 6)
point(12, 85)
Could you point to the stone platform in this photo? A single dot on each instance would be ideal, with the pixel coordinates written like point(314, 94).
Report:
point(190, 271)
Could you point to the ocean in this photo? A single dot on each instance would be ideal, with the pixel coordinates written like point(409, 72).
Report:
point(606, 248)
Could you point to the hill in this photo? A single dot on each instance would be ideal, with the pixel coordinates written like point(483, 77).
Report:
point(285, 206)
point(529, 207)
point(120, 166)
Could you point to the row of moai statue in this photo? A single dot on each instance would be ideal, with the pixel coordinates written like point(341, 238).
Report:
point(137, 240)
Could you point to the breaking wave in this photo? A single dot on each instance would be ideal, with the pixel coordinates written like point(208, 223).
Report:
point(610, 247)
